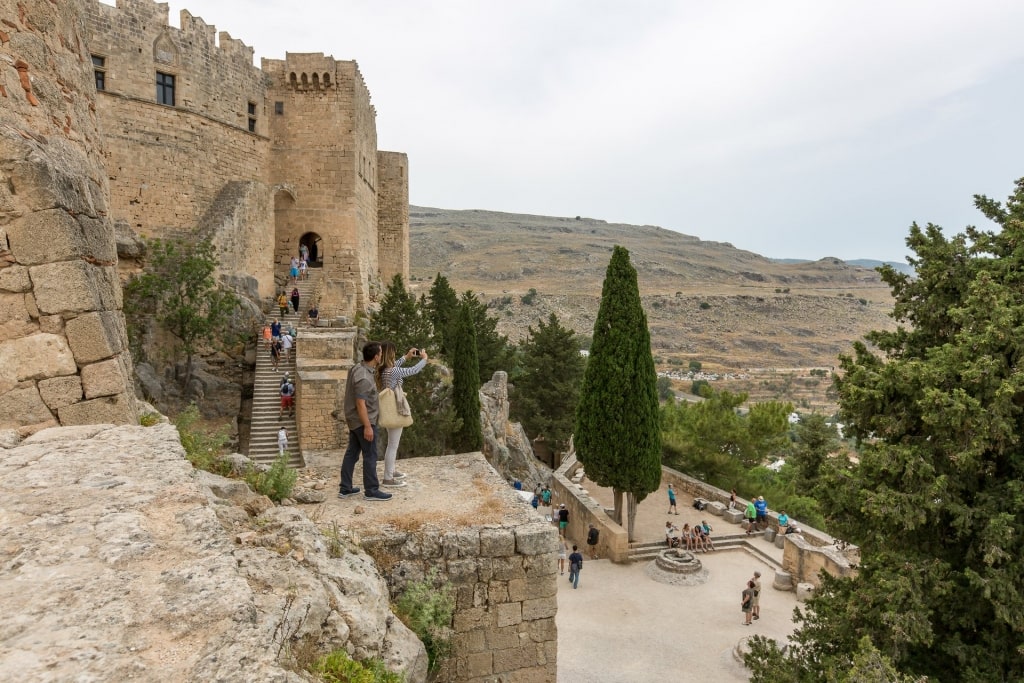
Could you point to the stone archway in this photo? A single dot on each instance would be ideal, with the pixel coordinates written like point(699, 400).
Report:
point(314, 243)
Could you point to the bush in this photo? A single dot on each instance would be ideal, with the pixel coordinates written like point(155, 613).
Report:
point(338, 667)
point(699, 385)
point(149, 419)
point(695, 366)
point(427, 608)
point(529, 298)
point(203, 448)
point(277, 482)
point(704, 305)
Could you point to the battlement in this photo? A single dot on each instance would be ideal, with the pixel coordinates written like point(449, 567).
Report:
point(150, 17)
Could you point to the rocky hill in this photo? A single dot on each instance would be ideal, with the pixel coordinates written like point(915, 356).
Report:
point(730, 309)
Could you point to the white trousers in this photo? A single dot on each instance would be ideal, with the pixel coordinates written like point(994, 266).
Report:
point(391, 453)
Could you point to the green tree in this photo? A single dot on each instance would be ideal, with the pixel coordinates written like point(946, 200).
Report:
point(433, 431)
point(442, 306)
point(401, 319)
point(493, 350)
point(466, 381)
point(937, 500)
point(816, 441)
point(545, 395)
point(177, 291)
point(665, 391)
point(617, 435)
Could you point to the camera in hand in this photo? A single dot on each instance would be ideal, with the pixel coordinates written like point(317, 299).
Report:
point(415, 352)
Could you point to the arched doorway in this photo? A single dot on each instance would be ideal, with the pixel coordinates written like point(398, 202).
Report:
point(314, 243)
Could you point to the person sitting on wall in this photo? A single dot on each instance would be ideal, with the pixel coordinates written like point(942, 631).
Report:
point(313, 316)
point(671, 535)
point(785, 528)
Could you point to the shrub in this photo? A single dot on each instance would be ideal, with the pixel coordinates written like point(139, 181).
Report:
point(277, 482)
point(203, 448)
point(427, 607)
point(149, 419)
point(863, 302)
point(529, 298)
point(695, 366)
point(704, 305)
point(338, 667)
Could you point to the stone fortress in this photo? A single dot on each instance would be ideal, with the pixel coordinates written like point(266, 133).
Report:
point(171, 132)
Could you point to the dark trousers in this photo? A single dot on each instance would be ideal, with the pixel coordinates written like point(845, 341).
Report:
point(357, 444)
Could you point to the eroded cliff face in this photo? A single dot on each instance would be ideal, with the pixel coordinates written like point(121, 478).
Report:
point(152, 571)
point(63, 346)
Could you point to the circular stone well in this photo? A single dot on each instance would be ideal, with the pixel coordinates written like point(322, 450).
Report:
point(678, 567)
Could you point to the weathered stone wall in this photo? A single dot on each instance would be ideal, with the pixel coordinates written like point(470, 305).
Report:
point(504, 575)
point(238, 223)
point(613, 541)
point(167, 164)
point(63, 356)
point(393, 215)
point(319, 393)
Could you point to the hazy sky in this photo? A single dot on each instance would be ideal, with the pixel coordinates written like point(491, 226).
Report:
point(793, 129)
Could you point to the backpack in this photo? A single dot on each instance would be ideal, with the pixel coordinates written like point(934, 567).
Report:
point(287, 389)
point(592, 537)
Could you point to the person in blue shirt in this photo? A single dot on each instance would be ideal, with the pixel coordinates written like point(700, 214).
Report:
point(761, 507)
point(672, 500)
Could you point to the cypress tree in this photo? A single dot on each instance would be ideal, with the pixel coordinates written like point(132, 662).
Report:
point(492, 349)
point(618, 432)
point(466, 383)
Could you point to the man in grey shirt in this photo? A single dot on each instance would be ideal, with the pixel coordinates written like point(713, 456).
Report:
point(360, 408)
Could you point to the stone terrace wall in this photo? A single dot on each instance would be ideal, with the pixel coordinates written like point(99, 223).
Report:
point(504, 572)
point(613, 541)
point(393, 215)
point(167, 164)
point(63, 356)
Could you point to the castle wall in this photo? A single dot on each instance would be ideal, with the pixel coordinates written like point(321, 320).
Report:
point(392, 216)
point(166, 163)
point(63, 346)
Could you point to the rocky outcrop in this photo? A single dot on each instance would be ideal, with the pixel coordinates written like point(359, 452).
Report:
point(506, 445)
point(63, 346)
point(156, 572)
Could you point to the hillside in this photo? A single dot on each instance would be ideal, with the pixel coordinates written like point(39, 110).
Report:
point(730, 309)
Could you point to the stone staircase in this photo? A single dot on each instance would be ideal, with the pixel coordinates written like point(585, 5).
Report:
point(643, 551)
point(266, 397)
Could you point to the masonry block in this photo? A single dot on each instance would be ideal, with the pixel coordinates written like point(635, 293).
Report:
point(61, 391)
point(497, 542)
point(509, 614)
point(105, 378)
point(96, 336)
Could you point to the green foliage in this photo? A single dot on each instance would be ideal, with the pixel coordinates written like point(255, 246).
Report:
point(699, 387)
point(695, 366)
point(178, 291)
point(546, 392)
point(493, 350)
point(203, 448)
point(441, 309)
point(816, 440)
point(149, 419)
point(665, 391)
point(401, 319)
point(427, 608)
point(617, 435)
point(936, 503)
point(529, 298)
point(338, 667)
point(704, 305)
point(466, 382)
point(433, 431)
point(276, 482)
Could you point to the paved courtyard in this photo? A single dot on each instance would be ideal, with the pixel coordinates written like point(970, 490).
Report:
point(621, 626)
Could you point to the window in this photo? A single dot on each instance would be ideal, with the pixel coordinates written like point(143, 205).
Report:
point(99, 65)
point(279, 108)
point(165, 89)
point(252, 117)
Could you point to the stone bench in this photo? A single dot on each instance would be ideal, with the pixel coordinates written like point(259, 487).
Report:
point(733, 516)
point(804, 591)
point(783, 581)
point(780, 541)
point(769, 535)
point(717, 509)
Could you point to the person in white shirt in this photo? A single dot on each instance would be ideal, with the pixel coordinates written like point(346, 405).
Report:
point(287, 341)
point(282, 441)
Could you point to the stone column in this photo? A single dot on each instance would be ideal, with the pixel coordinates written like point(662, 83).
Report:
point(63, 345)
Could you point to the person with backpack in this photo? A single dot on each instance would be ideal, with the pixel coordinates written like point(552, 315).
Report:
point(287, 398)
point(575, 565)
point(592, 537)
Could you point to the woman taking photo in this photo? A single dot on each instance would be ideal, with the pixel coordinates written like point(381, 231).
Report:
point(392, 375)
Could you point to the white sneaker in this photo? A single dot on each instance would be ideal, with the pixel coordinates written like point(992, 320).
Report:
point(399, 475)
point(392, 483)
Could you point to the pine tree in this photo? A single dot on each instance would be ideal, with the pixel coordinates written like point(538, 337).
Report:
point(936, 503)
point(401, 319)
point(618, 435)
point(442, 307)
point(545, 395)
point(493, 350)
point(466, 382)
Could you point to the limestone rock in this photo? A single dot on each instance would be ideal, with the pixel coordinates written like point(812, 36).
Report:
point(96, 336)
point(22, 405)
point(38, 356)
point(119, 409)
point(105, 378)
point(61, 391)
point(105, 565)
point(15, 279)
point(147, 383)
point(506, 446)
